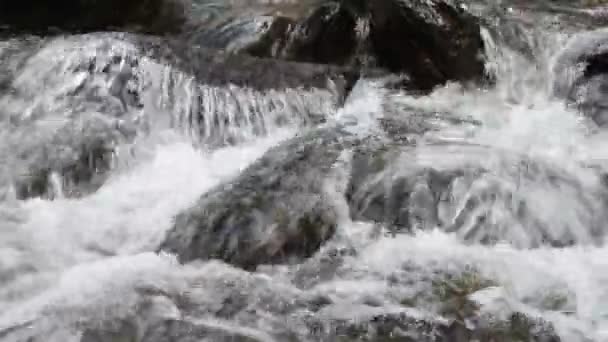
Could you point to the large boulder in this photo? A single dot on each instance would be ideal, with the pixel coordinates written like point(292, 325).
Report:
point(287, 204)
point(219, 68)
point(431, 41)
point(41, 16)
point(69, 115)
point(326, 35)
point(480, 193)
point(581, 74)
point(280, 209)
point(375, 328)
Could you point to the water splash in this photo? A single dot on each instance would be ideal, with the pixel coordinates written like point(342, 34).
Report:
point(70, 267)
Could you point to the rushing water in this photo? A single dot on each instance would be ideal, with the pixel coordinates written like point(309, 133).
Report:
point(74, 264)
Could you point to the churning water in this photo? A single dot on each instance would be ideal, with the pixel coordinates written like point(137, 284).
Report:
point(70, 265)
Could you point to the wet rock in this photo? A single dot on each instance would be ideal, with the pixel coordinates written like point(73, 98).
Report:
point(72, 162)
point(172, 331)
point(180, 331)
point(122, 332)
point(517, 328)
point(431, 41)
point(278, 210)
point(217, 68)
point(40, 16)
point(73, 114)
point(476, 193)
point(441, 310)
point(582, 74)
point(66, 117)
point(245, 306)
point(328, 35)
point(402, 327)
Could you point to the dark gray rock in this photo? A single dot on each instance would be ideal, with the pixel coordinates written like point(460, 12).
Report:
point(218, 68)
point(327, 35)
point(228, 304)
point(431, 41)
point(171, 331)
point(71, 114)
point(79, 154)
point(278, 210)
point(79, 16)
point(582, 74)
point(476, 193)
point(404, 328)
point(379, 328)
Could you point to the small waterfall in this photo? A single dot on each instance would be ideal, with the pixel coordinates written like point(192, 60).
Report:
point(467, 209)
point(55, 186)
point(213, 115)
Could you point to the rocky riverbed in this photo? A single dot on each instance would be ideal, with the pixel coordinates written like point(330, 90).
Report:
point(337, 170)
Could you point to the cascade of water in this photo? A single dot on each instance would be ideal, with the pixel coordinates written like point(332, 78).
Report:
point(493, 206)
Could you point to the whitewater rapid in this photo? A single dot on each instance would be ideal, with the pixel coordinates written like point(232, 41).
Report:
point(72, 264)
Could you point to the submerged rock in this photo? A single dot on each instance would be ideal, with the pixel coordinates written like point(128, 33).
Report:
point(71, 161)
point(404, 328)
point(41, 16)
point(326, 35)
point(218, 68)
point(173, 331)
point(228, 304)
point(280, 209)
point(72, 113)
point(582, 74)
point(481, 194)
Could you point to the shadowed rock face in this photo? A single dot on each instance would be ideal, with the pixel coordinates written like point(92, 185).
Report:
point(582, 74)
point(390, 328)
point(283, 207)
point(169, 331)
point(106, 90)
point(219, 68)
point(432, 41)
point(327, 35)
point(40, 16)
point(243, 307)
point(278, 210)
point(481, 194)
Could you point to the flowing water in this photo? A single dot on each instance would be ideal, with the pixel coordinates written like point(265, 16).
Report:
point(74, 264)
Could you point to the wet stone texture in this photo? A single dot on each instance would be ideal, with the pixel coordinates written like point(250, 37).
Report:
point(582, 70)
point(275, 253)
point(407, 188)
point(105, 92)
point(431, 41)
point(278, 209)
point(44, 17)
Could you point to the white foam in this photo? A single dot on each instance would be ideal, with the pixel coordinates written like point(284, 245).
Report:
point(128, 215)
